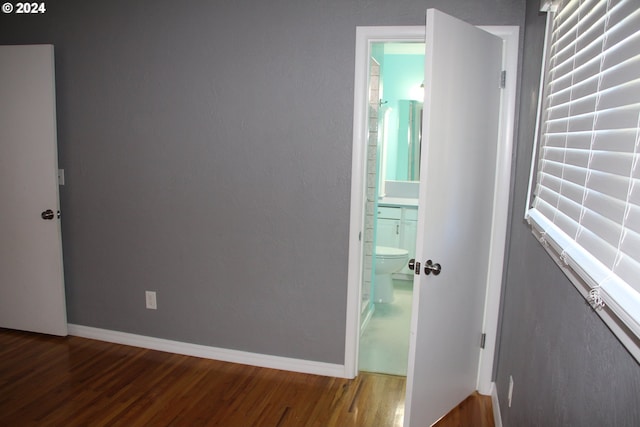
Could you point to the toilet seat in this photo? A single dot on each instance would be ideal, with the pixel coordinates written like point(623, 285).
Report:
point(389, 253)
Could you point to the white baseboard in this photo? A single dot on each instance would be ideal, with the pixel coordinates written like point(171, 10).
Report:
point(365, 322)
point(206, 352)
point(495, 404)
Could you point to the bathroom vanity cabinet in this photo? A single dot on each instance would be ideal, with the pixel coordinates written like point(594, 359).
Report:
point(397, 227)
point(388, 228)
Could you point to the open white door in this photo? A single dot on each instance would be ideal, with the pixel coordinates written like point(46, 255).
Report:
point(32, 294)
point(457, 185)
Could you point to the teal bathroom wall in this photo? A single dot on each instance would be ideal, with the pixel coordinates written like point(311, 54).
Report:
point(402, 75)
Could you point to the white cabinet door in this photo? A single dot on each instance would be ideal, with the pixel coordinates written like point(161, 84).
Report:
point(388, 226)
point(32, 294)
point(388, 233)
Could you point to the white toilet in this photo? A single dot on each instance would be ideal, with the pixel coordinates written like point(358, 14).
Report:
point(388, 261)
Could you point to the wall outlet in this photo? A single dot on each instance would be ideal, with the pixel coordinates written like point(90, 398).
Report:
point(510, 395)
point(150, 296)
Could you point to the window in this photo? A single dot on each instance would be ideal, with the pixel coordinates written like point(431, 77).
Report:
point(585, 206)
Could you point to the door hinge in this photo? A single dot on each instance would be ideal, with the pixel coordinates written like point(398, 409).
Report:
point(483, 338)
point(503, 79)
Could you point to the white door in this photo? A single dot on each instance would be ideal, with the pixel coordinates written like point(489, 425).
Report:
point(31, 279)
point(457, 181)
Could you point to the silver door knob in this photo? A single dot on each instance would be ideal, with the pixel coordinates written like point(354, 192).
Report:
point(48, 214)
point(430, 267)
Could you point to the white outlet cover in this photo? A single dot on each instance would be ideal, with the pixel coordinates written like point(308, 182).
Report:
point(152, 303)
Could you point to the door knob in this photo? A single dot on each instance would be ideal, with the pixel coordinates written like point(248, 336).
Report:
point(430, 267)
point(48, 214)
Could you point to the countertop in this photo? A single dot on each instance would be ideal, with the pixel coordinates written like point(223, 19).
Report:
point(398, 201)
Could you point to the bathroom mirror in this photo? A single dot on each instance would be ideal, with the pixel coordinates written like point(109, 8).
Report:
point(409, 139)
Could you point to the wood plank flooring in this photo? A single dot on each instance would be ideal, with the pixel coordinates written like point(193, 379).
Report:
point(475, 410)
point(71, 381)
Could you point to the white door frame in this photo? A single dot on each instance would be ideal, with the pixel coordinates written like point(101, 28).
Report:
point(364, 37)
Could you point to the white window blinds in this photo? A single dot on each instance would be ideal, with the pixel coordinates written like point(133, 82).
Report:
point(586, 202)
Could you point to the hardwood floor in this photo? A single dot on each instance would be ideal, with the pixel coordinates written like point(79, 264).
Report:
point(71, 381)
point(475, 410)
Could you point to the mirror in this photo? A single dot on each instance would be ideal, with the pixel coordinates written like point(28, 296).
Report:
point(409, 139)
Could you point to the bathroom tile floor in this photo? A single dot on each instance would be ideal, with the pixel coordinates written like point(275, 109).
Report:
point(384, 345)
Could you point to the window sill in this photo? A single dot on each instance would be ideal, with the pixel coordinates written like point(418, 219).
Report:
point(615, 315)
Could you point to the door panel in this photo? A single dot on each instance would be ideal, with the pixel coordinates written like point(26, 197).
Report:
point(31, 279)
point(457, 181)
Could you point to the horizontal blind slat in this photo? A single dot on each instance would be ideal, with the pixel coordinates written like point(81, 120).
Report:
point(627, 268)
point(616, 140)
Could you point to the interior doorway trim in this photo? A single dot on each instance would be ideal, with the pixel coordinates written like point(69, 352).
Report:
point(364, 37)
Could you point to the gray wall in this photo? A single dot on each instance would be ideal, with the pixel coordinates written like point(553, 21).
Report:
point(207, 149)
point(568, 368)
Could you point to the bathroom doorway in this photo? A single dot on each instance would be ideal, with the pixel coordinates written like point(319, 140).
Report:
point(395, 96)
point(435, 348)
point(364, 38)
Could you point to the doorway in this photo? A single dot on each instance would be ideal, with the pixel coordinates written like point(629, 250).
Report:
point(395, 95)
point(368, 35)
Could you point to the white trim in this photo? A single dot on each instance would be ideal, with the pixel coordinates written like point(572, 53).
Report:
point(510, 36)
point(206, 352)
point(536, 135)
point(495, 406)
point(364, 36)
